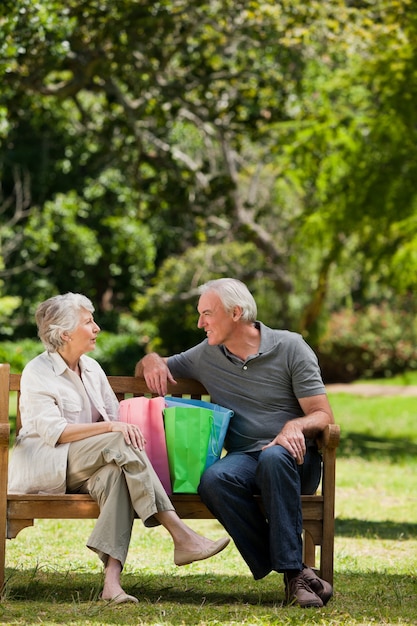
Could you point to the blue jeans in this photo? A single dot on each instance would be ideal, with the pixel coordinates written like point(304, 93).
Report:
point(271, 540)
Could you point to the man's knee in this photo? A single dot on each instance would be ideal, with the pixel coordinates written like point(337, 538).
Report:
point(208, 480)
point(275, 456)
point(275, 462)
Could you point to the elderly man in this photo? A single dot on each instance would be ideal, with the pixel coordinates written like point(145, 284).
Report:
point(272, 381)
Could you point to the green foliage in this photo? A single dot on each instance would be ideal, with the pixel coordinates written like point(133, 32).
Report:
point(368, 342)
point(118, 354)
point(18, 353)
point(286, 128)
point(172, 303)
point(8, 306)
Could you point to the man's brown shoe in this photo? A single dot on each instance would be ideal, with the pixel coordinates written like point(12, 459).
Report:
point(321, 587)
point(297, 591)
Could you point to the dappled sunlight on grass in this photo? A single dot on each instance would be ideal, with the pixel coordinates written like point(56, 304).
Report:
point(383, 418)
point(369, 551)
point(53, 578)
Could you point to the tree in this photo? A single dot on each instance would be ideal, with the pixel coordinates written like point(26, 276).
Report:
point(169, 118)
point(362, 197)
point(253, 138)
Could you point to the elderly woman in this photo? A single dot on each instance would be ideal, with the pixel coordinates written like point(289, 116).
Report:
point(71, 440)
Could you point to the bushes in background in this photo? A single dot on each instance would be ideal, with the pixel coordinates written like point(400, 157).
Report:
point(372, 342)
point(18, 353)
point(375, 341)
point(117, 354)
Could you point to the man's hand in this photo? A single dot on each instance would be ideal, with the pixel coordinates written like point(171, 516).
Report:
point(154, 370)
point(292, 439)
point(317, 414)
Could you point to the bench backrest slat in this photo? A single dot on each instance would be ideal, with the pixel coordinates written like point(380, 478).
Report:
point(123, 386)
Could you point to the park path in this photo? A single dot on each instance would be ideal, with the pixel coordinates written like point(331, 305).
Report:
point(373, 390)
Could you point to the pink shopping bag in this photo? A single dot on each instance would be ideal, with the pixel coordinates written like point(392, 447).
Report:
point(147, 414)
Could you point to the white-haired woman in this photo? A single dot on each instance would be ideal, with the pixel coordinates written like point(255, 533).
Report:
point(71, 441)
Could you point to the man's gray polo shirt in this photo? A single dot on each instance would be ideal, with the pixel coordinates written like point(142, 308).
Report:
point(262, 390)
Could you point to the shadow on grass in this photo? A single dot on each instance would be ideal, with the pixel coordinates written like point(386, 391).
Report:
point(396, 531)
point(206, 598)
point(370, 448)
point(63, 587)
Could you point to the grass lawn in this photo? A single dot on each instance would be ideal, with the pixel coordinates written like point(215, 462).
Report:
point(54, 579)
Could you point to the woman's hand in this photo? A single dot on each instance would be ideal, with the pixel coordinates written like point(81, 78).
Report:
point(132, 434)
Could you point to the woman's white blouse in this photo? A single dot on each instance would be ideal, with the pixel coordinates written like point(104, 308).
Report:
point(53, 396)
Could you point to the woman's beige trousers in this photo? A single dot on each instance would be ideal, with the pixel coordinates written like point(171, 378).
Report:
point(123, 482)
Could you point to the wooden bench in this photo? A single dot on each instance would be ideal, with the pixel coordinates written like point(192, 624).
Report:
point(17, 511)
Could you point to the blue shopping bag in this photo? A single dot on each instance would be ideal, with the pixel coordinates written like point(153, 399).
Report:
point(220, 424)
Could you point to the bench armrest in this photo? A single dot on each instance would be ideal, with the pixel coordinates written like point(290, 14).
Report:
point(329, 438)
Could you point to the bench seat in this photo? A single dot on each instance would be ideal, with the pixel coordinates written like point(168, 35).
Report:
point(18, 511)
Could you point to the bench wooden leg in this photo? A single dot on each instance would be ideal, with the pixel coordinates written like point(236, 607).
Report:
point(2, 556)
point(309, 550)
point(4, 438)
point(327, 560)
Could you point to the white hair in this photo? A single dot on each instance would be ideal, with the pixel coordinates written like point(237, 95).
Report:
point(233, 292)
point(59, 315)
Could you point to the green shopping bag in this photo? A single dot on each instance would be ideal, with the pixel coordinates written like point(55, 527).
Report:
point(221, 420)
point(187, 433)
